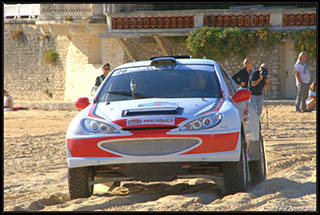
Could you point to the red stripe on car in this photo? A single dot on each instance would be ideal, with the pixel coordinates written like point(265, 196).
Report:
point(216, 143)
point(92, 112)
point(211, 143)
point(87, 148)
point(215, 109)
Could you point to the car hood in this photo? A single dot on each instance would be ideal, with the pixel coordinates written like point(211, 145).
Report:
point(182, 107)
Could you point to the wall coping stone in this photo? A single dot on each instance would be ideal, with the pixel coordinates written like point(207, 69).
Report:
point(19, 21)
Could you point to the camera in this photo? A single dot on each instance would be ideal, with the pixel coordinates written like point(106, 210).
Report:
point(264, 71)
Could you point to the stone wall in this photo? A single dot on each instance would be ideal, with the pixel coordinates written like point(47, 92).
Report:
point(112, 53)
point(80, 74)
point(145, 47)
point(26, 75)
point(259, 56)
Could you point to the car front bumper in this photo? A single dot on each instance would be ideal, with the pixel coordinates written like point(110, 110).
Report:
point(158, 148)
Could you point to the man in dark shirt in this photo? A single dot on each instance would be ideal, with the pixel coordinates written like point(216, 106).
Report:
point(242, 77)
point(257, 82)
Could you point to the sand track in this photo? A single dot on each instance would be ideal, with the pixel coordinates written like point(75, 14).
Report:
point(35, 171)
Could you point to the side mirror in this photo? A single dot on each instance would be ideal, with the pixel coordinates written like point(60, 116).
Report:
point(82, 103)
point(241, 95)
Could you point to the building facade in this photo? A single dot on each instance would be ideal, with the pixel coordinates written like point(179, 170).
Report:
point(86, 36)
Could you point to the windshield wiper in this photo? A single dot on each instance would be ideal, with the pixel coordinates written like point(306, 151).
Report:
point(134, 95)
point(141, 96)
point(123, 93)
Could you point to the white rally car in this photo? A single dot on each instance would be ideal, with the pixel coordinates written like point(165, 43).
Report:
point(163, 119)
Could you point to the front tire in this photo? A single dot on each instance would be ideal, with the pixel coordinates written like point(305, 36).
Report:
point(236, 173)
point(79, 182)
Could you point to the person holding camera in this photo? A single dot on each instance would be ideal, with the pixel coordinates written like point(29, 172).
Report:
point(258, 82)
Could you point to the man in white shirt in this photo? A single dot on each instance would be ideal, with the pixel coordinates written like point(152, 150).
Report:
point(302, 75)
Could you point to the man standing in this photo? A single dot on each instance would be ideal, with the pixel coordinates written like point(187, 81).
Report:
point(302, 75)
point(257, 82)
point(99, 79)
point(242, 77)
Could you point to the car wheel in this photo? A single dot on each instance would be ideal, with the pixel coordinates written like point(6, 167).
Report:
point(235, 174)
point(79, 182)
point(258, 170)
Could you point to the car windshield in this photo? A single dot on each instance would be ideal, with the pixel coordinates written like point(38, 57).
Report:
point(183, 81)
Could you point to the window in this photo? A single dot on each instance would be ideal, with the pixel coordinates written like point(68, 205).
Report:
point(183, 81)
point(232, 86)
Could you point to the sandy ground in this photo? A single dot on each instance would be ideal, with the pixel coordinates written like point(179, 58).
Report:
point(35, 171)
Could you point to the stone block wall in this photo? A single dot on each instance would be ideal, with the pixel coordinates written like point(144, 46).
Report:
point(26, 75)
point(259, 56)
point(143, 48)
point(111, 52)
point(80, 73)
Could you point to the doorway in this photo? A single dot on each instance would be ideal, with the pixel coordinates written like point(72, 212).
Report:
point(289, 60)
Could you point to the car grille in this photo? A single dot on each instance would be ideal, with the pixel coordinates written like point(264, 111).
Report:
point(149, 147)
point(149, 128)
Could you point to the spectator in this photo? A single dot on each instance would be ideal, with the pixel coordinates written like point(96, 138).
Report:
point(302, 75)
point(257, 83)
point(7, 101)
point(311, 101)
point(99, 79)
point(242, 77)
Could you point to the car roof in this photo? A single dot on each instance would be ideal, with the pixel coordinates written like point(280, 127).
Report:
point(181, 61)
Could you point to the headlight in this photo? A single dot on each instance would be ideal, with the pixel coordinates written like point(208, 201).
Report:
point(94, 126)
point(204, 122)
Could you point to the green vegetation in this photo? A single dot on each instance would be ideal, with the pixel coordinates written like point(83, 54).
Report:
point(50, 56)
point(46, 91)
point(16, 34)
point(220, 43)
point(306, 41)
point(268, 38)
point(68, 18)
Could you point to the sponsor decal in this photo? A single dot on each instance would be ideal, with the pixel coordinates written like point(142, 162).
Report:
point(157, 104)
point(151, 121)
